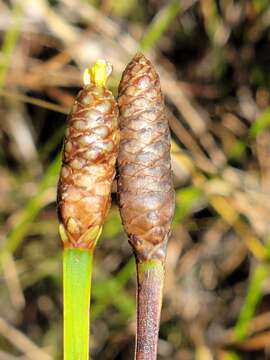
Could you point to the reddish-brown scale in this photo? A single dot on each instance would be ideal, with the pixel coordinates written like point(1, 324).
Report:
point(145, 187)
point(89, 156)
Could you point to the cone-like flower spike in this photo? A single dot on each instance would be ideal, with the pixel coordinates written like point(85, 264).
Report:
point(145, 186)
point(89, 156)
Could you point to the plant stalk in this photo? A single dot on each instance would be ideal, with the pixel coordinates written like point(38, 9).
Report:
point(150, 280)
point(77, 271)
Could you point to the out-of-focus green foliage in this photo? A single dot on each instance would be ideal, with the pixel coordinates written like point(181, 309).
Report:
point(123, 7)
point(9, 42)
point(110, 291)
point(33, 207)
point(230, 355)
point(159, 24)
point(260, 5)
point(187, 199)
point(254, 295)
point(261, 123)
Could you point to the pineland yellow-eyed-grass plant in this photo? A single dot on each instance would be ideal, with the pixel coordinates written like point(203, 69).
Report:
point(84, 195)
point(146, 193)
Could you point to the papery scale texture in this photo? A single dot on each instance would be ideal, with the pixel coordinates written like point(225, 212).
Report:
point(89, 156)
point(145, 186)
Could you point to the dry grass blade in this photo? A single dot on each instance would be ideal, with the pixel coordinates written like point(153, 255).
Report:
point(21, 342)
point(34, 101)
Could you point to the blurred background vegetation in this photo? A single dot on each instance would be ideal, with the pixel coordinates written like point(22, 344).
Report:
point(213, 58)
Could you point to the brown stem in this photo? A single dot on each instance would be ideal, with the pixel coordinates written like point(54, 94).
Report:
point(150, 277)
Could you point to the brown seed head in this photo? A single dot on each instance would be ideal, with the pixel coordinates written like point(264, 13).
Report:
point(145, 187)
point(89, 156)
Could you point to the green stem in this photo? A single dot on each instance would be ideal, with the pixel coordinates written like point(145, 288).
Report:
point(77, 271)
point(150, 277)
